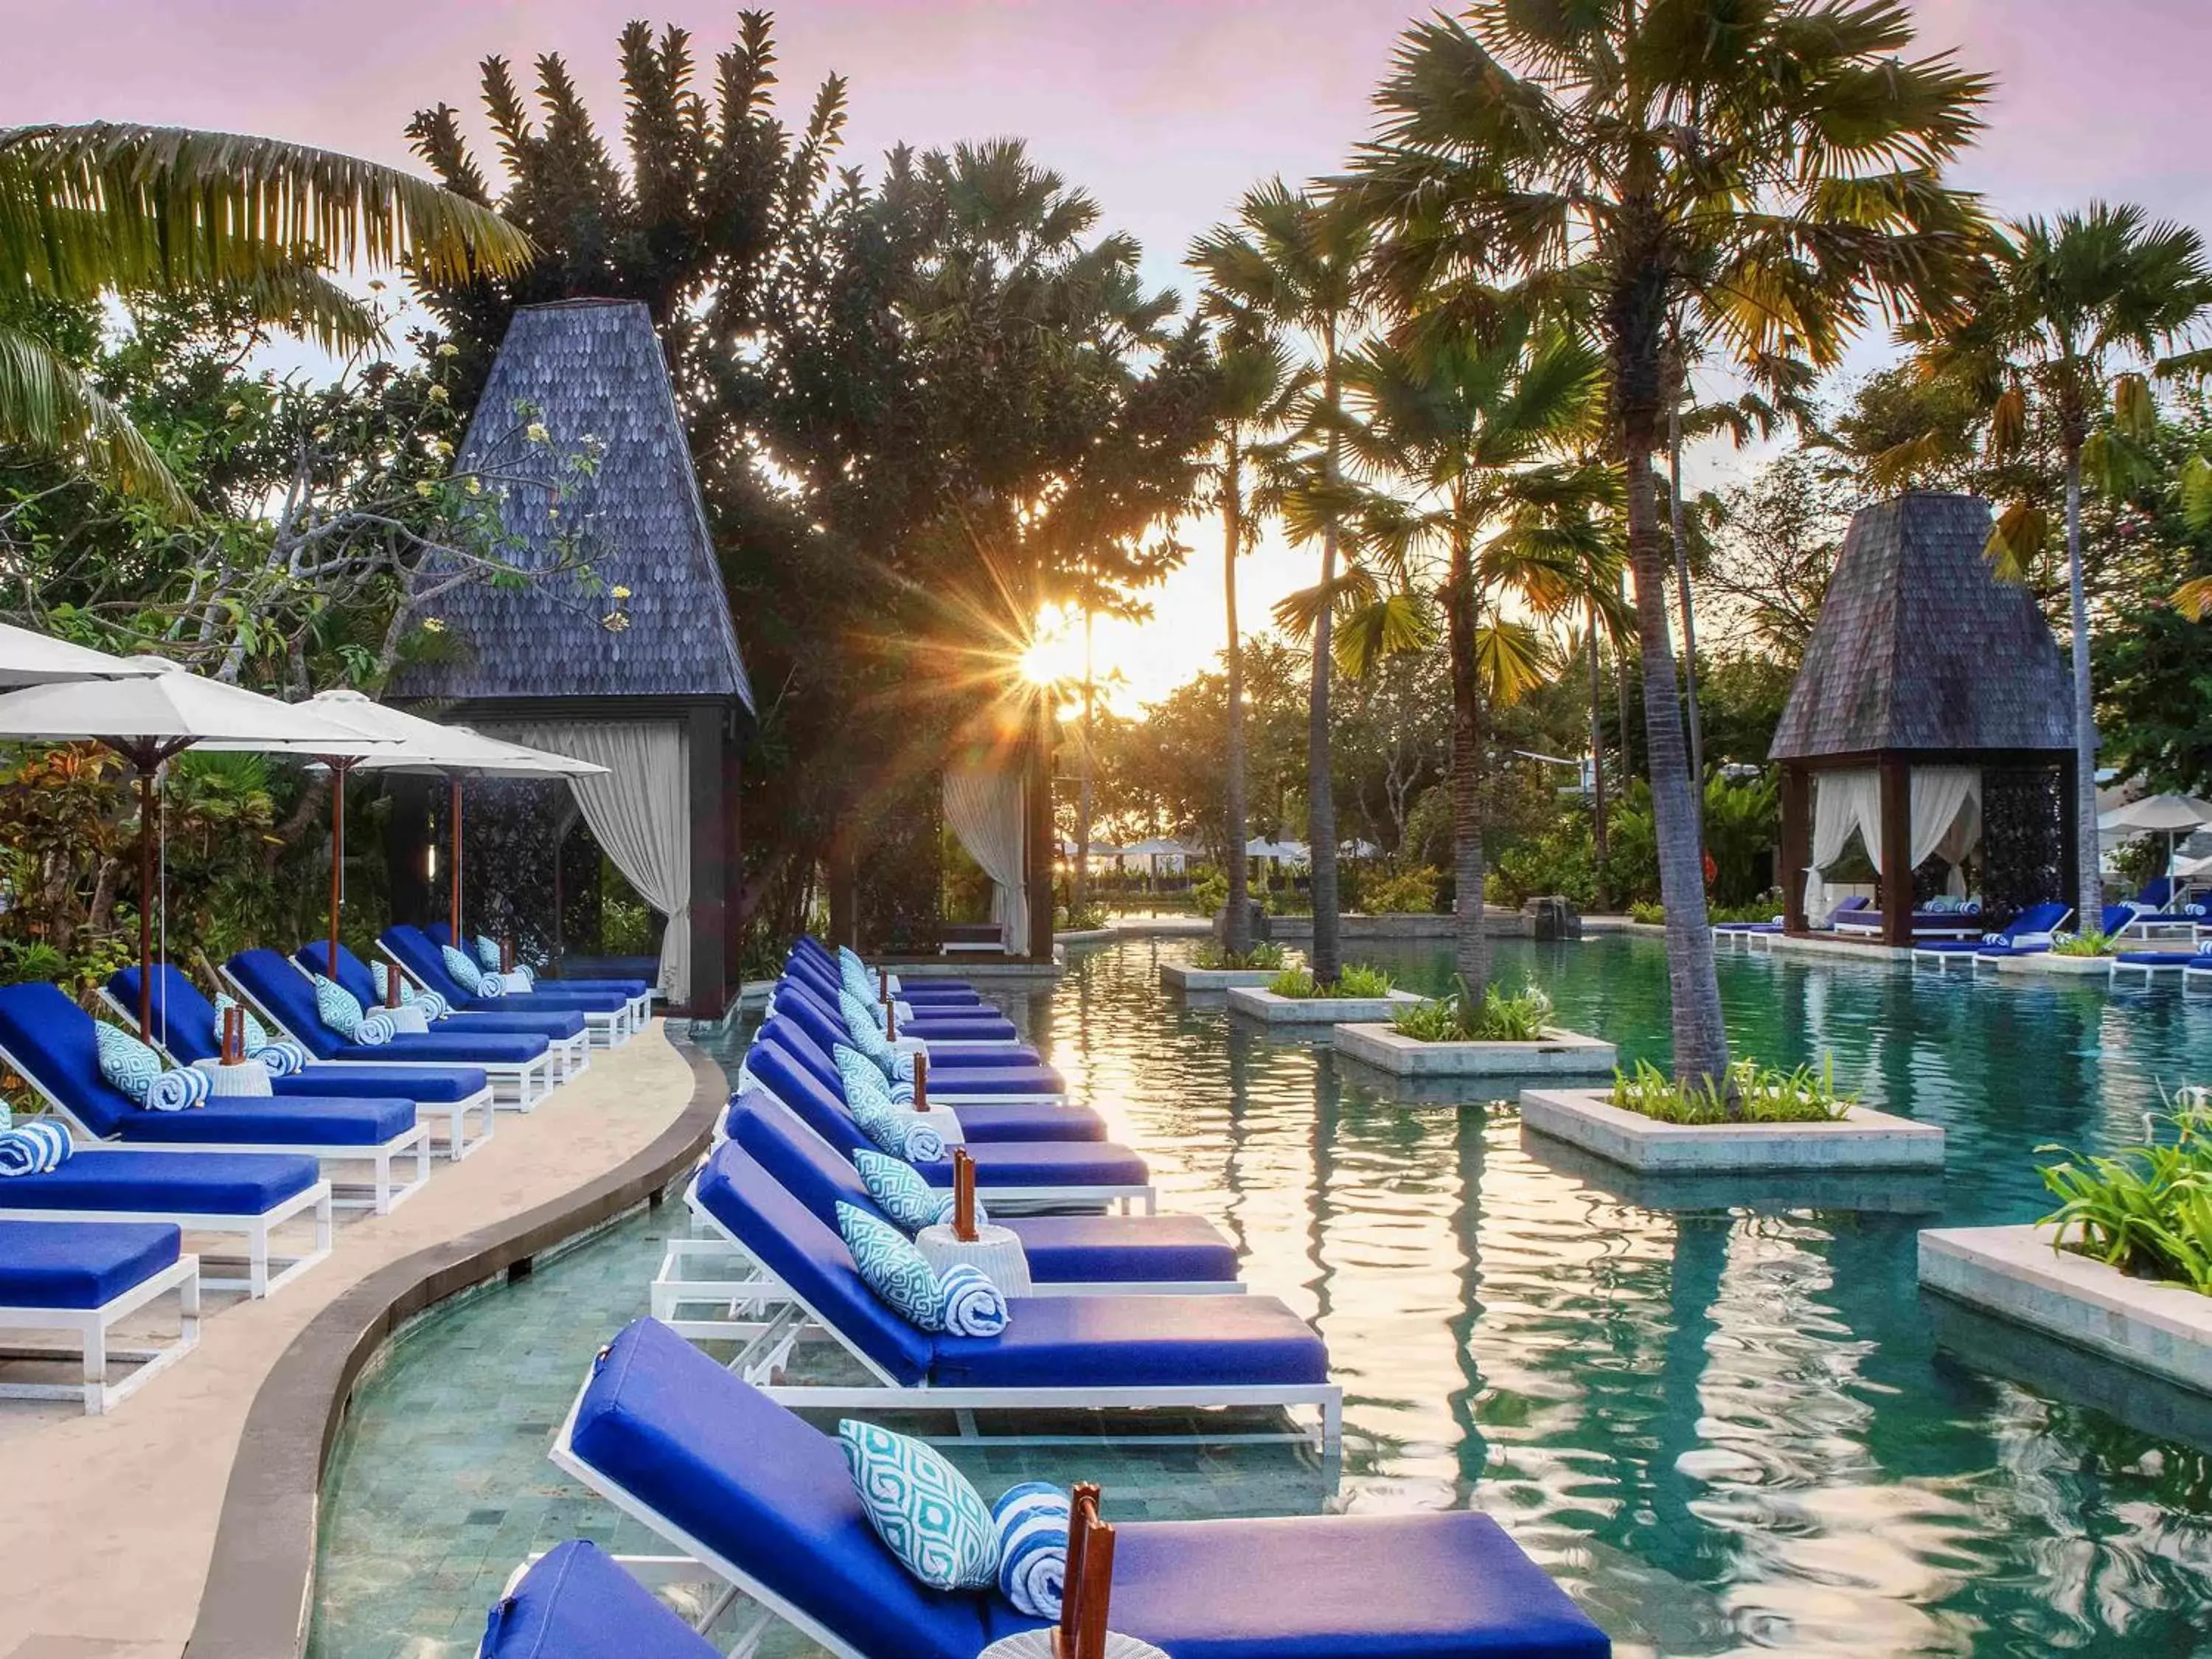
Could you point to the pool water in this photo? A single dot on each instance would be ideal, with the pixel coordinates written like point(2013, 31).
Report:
point(1722, 1417)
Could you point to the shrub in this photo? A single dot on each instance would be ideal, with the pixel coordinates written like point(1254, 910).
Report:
point(2091, 944)
point(2146, 1210)
point(1209, 893)
point(1404, 892)
point(1766, 1095)
point(1358, 980)
point(1649, 912)
point(1295, 984)
point(1299, 984)
point(1520, 1016)
point(1266, 954)
point(1089, 920)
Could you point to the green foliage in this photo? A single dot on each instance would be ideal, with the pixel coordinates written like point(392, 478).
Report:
point(1209, 893)
point(1362, 980)
point(1649, 912)
point(2146, 1210)
point(1763, 1095)
point(1265, 956)
point(2091, 944)
point(1089, 919)
point(1496, 1016)
point(1400, 892)
point(1297, 983)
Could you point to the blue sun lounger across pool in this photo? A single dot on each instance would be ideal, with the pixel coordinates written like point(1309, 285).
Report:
point(567, 1038)
point(942, 1028)
point(186, 1027)
point(2029, 933)
point(825, 1023)
point(80, 1279)
point(984, 1115)
point(48, 1041)
point(918, 990)
point(763, 1504)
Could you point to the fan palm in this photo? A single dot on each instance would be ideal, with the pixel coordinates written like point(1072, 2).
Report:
point(1298, 262)
point(1475, 423)
point(110, 208)
point(1764, 171)
point(2061, 301)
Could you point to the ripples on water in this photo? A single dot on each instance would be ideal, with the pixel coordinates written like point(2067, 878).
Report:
point(1726, 1429)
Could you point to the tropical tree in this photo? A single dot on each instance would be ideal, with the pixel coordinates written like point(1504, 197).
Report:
point(1298, 262)
point(1765, 171)
point(1260, 382)
point(2063, 302)
point(109, 208)
point(1476, 422)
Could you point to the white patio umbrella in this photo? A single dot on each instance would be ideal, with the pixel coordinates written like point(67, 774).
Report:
point(2169, 815)
point(34, 658)
point(149, 718)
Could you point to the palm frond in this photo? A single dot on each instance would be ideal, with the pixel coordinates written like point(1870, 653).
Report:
point(1512, 659)
point(1398, 624)
point(46, 408)
point(2022, 531)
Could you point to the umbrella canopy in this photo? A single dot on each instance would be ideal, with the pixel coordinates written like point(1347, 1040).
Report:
point(147, 719)
point(1157, 848)
point(2157, 815)
point(29, 658)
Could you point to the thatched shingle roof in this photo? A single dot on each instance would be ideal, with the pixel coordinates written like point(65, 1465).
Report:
point(589, 368)
point(1920, 647)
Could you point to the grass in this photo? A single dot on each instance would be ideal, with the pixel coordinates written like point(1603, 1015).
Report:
point(1766, 1095)
point(1497, 1017)
point(2145, 1210)
point(2091, 944)
point(1355, 981)
point(1266, 957)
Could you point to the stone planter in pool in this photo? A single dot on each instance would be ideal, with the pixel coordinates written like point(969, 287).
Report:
point(2015, 1275)
point(1867, 1139)
point(1763, 1191)
point(1182, 976)
point(1258, 1004)
point(2051, 965)
point(1559, 1053)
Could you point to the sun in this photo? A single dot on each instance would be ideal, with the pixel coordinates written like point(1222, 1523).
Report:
point(1054, 652)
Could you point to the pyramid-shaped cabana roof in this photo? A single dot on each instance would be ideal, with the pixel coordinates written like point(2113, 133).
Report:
point(1937, 711)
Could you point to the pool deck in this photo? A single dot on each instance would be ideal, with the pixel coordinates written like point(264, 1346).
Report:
point(110, 1528)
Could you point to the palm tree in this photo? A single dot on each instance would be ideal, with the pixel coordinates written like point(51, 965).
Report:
point(1260, 385)
point(2061, 301)
point(1298, 262)
point(1475, 422)
point(110, 208)
point(1767, 172)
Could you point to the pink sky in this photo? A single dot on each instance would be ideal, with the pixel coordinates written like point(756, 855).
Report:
point(1164, 109)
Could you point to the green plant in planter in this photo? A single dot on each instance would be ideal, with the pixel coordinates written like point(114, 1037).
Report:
point(1766, 1095)
point(2145, 1210)
point(1649, 912)
point(1295, 984)
point(1358, 980)
point(1520, 1016)
point(1266, 955)
point(2091, 944)
point(1300, 985)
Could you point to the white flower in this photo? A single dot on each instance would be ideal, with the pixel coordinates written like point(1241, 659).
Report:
point(438, 395)
point(538, 434)
point(425, 489)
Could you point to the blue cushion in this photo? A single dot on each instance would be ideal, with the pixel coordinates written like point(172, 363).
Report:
point(505, 1016)
point(983, 1071)
point(424, 959)
point(80, 1264)
point(986, 1121)
point(800, 1250)
point(50, 1039)
point(959, 1028)
point(430, 1086)
point(922, 1507)
point(1132, 1249)
point(250, 1121)
point(1047, 1164)
point(577, 1603)
point(752, 1482)
point(808, 1167)
point(125, 1061)
point(1136, 1342)
point(549, 998)
point(361, 985)
point(893, 1269)
point(204, 1183)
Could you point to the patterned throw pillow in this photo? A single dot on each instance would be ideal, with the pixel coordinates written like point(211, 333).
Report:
point(881, 1123)
point(893, 1268)
point(973, 1305)
point(257, 1034)
point(336, 1007)
point(465, 973)
point(861, 1076)
point(487, 954)
point(1030, 1521)
point(126, 1063)
point(922, 1507)
point(900, 1192)
point(862, 1016)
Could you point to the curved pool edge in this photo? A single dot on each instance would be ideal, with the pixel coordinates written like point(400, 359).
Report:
point(258, 1599)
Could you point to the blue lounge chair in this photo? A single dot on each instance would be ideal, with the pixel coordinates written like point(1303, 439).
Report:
point(943, 1027)
point(608, 1015)
point(1076, 1352)
point(2157, 911)
point(825, 1022)
point(80, 1279)
point(927, 987)
point(829, 979)
point(763, 1503)
point(637, 992)
point(2151, 963)
point(48, 1041)
point(576, 1602)
point(983, 1117)
point(1012, 1176)
point(565, 1035)
point(952, 1081)
point(1068, 1254)
point(520, 1068)
point(1965, 925)
point(457, 1098)
point(2029, 933)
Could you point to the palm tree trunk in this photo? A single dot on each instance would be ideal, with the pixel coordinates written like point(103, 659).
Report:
point(1700, 1037)
point(1470, 937)
point(1236, 936)
point(2090, 895)
point(1321, 782)
point(1623, 703)
point(1600, 843)
point(1677, 521)
point(1080, 896)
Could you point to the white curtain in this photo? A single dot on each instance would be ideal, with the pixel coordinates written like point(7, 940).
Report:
point(639, 812)
point(1842, 802)
point(984, 805)
point(1946, 817)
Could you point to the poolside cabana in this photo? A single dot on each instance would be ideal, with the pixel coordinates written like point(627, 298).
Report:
point(1932, 723)
point(631, 664)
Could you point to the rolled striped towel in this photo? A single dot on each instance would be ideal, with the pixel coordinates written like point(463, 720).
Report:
point(922, 1144)
point(525, 976)
point(283, 1058)
point(1032, 1521)
point(490, 985)
point(33, 1148)
point(973, 1305)
point(901, 1091)
point(177, 1090)
point(945, 1211)
point(377, 1028)
point(434, 1006)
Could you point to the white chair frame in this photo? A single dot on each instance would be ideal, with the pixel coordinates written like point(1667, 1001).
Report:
point(91, 1326)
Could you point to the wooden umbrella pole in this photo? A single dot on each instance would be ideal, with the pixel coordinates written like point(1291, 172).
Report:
point(454, 811)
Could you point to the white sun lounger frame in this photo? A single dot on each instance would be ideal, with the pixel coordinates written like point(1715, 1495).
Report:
point(91, 1326)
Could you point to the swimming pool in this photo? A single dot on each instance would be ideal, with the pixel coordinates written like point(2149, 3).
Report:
point(1725, 1426)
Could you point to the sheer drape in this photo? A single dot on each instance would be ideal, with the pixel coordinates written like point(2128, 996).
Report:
point(1842, 802)
point(639, 812)
point(1946, 817)
point(983, 805)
